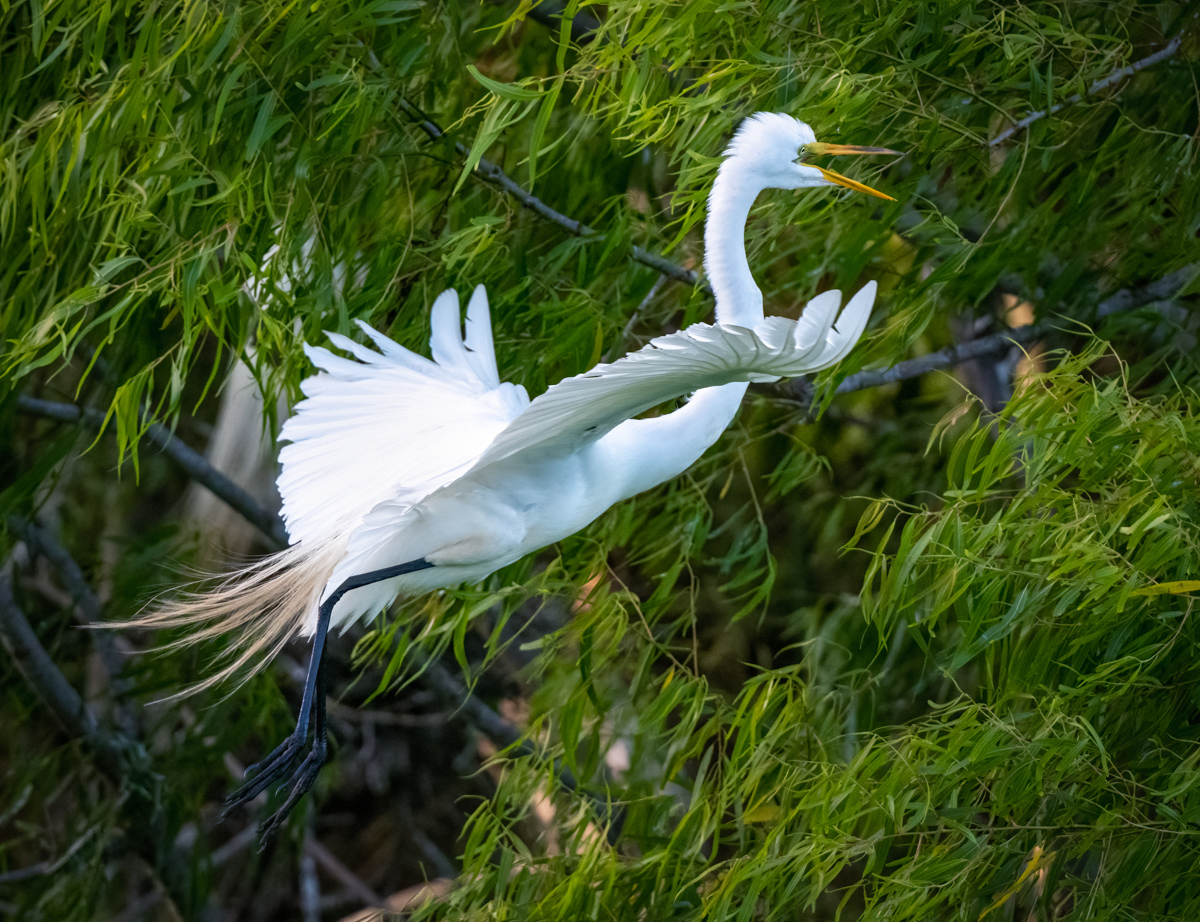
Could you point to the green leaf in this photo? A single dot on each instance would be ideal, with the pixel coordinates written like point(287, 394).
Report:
point(506, 91)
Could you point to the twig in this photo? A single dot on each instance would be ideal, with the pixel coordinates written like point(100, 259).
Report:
point(45, 678)
point(1111, 80)
point(192, 462)
point(1124, 300)
point(88, 609)
point(619, 346)
point(342, 874)
point(43, 868)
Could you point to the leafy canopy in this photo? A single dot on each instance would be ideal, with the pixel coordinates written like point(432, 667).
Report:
point(868, 666)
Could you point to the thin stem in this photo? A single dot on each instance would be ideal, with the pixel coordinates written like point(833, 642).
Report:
point(45, 678)
point(1124, 300)
point(193, 463)
point(618, 348)
point(1103, 84)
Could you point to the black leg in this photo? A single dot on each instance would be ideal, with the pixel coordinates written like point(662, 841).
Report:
point(312, 706)
point(305, 776)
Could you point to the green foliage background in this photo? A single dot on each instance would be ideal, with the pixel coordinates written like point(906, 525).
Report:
point(868, 666)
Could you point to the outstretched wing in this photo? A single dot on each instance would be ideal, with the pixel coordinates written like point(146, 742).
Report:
point(585, 407)
point(392, 425)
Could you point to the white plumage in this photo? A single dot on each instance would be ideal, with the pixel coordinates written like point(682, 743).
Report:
point(437, 473)
point(378, 437)
point(392, 425)
point(589, 406)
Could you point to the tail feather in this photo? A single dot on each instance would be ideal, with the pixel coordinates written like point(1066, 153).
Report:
point(265, 603)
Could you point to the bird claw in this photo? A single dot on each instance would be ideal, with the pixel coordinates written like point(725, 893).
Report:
point(264, 772)
point(299, 784)
point(275, 767)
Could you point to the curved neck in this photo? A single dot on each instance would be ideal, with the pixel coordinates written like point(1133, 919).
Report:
point(646, 452)
point(738, 299)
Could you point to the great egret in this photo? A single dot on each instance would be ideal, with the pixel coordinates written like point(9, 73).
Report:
point(405, 475)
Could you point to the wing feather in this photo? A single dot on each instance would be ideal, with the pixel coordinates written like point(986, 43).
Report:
point(587, 406)
point(478, 338)
point(390, 425)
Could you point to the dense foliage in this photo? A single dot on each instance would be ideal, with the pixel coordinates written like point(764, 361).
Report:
point(919, 651)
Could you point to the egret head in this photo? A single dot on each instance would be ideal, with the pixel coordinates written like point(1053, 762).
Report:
point(772, 149)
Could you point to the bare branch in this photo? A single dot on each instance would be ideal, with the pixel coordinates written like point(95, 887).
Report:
point(618, 348)
point(1111, 80)
point(494, 174)
point(1124, 300)
point(943, 358)
point(1168, 286)
point(43, 868)
point(88, 609)
point(42, 542)
point(193, 463)
point(45, 678)
point(342, 874)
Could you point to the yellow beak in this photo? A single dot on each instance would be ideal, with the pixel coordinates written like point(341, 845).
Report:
point(817, 148)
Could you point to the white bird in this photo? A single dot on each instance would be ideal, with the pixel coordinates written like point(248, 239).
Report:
point(405, 475)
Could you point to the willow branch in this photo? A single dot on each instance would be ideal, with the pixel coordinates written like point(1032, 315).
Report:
point(1111, 80)
point(491, 172)
point(1125, 300)
point(52, 687)
point(87, 606)
point(192, 462)
point(583, 24)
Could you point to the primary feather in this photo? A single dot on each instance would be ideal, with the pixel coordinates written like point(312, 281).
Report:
point(391, 425)
point(588, 406)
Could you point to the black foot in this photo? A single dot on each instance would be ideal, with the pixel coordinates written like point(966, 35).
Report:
point(269, 770)
point(278, 764)
point(301, 782)
point(273, 768)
